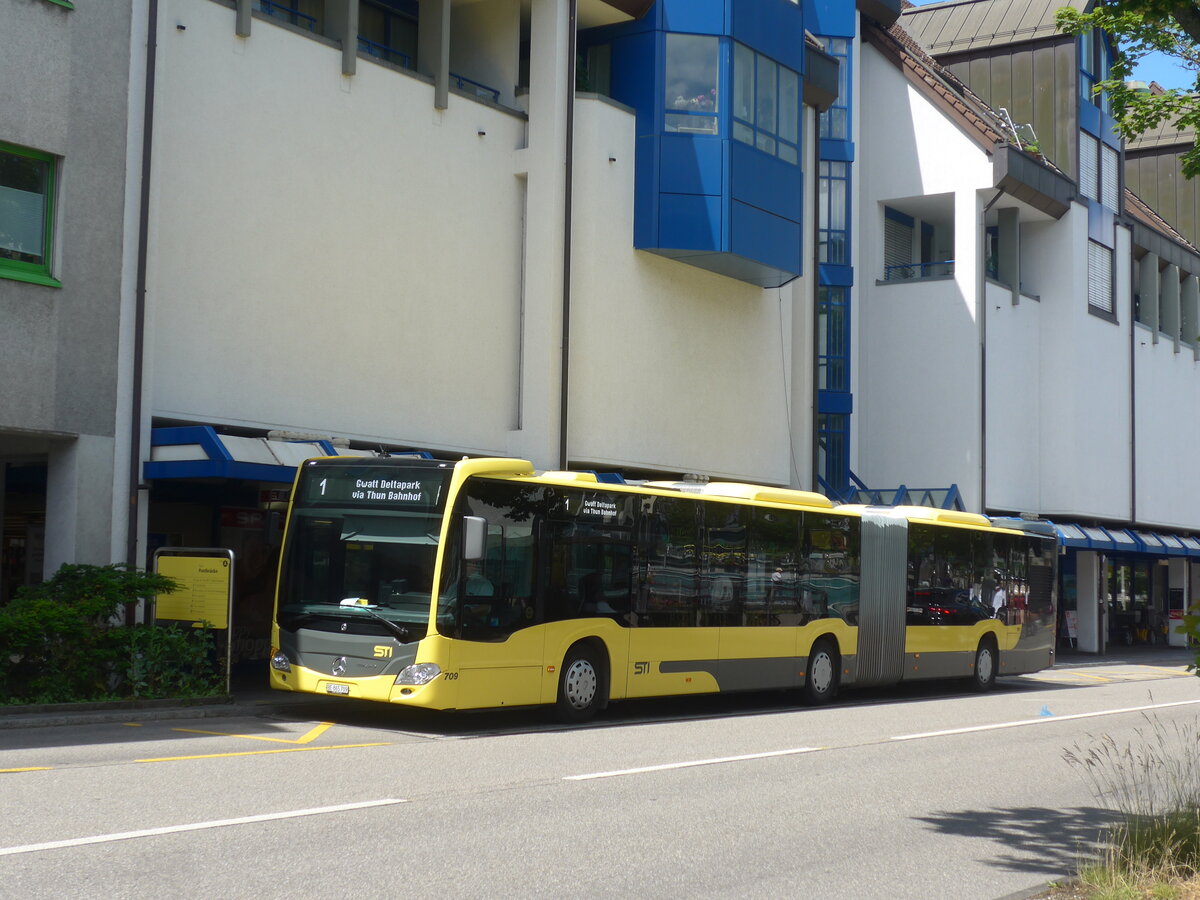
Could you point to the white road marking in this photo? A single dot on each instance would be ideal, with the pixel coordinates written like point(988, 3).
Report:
point(197, 826)
point(689, 764)
point(1041, 720)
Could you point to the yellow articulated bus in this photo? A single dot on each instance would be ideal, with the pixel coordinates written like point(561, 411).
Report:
point(484, 584)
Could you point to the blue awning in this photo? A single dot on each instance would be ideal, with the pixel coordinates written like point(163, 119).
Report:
point(1191, 546)
point(1072, 536)
point(197, 451)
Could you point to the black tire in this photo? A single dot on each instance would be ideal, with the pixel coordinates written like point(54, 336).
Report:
point(987, 663)
point(580, 685)
point(821, 676)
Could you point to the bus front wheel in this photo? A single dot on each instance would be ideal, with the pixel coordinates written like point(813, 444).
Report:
point(579, 685)
point(986, 662)
point(821, 677)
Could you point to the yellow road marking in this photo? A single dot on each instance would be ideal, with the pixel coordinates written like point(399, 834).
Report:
point(263, 752)
point(28, 769)
point(306, 739)
point(132, 724)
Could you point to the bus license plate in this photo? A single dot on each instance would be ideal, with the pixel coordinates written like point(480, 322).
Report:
point(337, 688)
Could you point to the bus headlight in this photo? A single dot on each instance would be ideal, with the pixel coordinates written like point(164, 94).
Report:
point(280, 662)
point(419, 673)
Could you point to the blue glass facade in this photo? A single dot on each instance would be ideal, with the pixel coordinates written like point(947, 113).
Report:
point(834, 23)
point(716, 85)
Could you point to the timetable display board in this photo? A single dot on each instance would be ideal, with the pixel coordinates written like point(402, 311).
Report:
point(205, 579)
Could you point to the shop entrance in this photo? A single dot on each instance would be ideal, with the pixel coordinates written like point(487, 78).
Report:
point(23, 511)
point(1137, 602)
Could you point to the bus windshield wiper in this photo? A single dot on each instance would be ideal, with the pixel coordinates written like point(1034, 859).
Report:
point(401, 633)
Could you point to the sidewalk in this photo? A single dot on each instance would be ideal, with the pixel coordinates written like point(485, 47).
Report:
point(251, 696)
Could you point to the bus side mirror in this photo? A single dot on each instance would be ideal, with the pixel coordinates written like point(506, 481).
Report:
point(474, 537)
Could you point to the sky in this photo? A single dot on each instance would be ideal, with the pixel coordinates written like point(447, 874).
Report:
point(1155, 67)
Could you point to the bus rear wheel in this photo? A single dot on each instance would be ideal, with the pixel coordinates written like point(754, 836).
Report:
point(821, 677)
point(579, 685)
point(987, 660)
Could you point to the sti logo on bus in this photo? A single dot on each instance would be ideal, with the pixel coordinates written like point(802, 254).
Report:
point(383, 651)
point(641, 668)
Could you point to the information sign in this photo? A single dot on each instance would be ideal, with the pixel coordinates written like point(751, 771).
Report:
point(205, 585)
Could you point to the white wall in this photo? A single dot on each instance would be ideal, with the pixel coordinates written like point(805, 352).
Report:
point(672, 366)
point(918, 391)
point(1168, 432)
point(329, 252)
point(1014, 401)
point(1085, 469)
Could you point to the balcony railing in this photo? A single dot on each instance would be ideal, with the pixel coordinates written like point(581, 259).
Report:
point(383, 52)
point(916, 271)
point(474, 87)
point(287, 14)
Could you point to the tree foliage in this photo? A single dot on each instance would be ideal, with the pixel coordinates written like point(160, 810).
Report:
point(1139, 28)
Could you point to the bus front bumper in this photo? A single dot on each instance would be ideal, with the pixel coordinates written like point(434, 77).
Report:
point(380, 688)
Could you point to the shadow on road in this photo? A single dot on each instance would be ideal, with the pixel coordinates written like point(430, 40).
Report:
point(1052, 842)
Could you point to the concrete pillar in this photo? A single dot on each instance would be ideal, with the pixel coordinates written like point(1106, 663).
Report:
point(80, 511)
point(243, 18)
point(1177, 580)
point(1189, 313)
point(1168, 310)
point(1008, 261)
point(341, 24)
point(433, 48)
point(1148, 292)
point(541, 163)
point(1091, 627)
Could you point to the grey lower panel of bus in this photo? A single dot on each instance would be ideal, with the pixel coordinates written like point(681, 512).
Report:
point(752, 674)
point(318, 651)
point(938, 665)
point(882, 593)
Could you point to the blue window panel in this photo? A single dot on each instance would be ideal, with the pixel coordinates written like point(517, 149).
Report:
point(695, 16)
point(838, 151)
point(834, 18)
point(758, 235)
point(635, 81)
point(1089, 117)
point(1100, 224)
point(765, 181)
point(774, 28)
point(690, 165)
point(645, 194)
point(689, 222)
point(835, 402)
point(835, 276)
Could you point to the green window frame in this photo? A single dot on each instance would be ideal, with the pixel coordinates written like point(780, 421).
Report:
point(67, 3)
point(27, 224)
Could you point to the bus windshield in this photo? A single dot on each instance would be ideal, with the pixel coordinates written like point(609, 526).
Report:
point(351, 561)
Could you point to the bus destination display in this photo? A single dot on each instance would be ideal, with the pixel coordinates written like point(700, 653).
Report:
point(370, 486)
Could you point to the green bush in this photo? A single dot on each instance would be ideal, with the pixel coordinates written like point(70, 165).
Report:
point(59, 643)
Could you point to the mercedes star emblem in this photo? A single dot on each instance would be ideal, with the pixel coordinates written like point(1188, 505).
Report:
point(339, 666)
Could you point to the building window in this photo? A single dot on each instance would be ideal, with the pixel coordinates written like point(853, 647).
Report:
point(833, 227)
point(1089, 166)
point(26, 214)
point(692, 96)
point(306, 14)
point(833, 454)
point(835, 121)
point(1110, 178)
point(385, 34)
point(766, 104)
point(833, 340)
point(1100, 278)
point(1095, 65)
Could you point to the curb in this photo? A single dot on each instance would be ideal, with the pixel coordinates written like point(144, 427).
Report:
point(59, 714)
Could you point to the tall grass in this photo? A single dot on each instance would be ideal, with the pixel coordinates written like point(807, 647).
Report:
point(1152, 783)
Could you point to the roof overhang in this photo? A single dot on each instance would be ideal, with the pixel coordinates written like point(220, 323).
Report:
point(1164, 248)
point(885, 12)
point(1030, 181)
point(820, 79)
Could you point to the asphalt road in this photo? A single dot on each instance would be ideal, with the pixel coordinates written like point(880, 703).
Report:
point(922, 792)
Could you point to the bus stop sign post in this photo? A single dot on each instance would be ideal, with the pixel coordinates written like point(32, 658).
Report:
point(204, 596)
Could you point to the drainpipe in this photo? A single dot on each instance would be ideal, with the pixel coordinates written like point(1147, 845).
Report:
point(569, 142)
point(139, 320)
point(981, 305)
